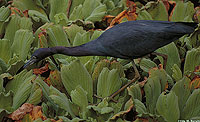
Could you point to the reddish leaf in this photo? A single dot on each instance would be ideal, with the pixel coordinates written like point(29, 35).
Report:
point(130, 14)
point(195, 83)
point(41, 70)
point(166, 3)
point(108, 18)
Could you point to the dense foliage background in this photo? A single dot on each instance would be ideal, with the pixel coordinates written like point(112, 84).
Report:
point(79, 90)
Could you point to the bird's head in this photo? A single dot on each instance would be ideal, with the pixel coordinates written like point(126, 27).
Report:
point(38, 55)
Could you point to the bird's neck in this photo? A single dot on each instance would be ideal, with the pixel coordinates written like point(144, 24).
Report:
point(72, 51)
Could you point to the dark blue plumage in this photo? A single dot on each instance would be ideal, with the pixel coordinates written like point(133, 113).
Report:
point(128, 40)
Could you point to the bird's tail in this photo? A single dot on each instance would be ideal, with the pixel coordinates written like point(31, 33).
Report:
point(188, 27)
point(191, 24)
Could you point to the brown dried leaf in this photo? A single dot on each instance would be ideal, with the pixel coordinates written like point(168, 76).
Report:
point(195, 83)
point(166, 3)
point(197, 69)
point(118, 18)
point(172, 3)
point(108, 18)
point(34, 112)
point(21, 112)
point(37, 113)
point(130, 14)
point(41, 70)
point(15, 11)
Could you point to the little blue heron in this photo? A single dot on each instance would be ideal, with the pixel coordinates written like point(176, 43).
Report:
point(128, 40)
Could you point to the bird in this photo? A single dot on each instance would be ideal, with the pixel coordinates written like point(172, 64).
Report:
point(128, 40)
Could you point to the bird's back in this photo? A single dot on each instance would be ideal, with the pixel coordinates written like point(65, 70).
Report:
point(135, 39)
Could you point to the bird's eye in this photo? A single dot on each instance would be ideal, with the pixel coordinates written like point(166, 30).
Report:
point(34, 57)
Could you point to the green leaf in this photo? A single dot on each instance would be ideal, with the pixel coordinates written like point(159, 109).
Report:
point(1, 85)
point(15, 24)
point(140, 107)
point(61, 19)
point(96, 34)
point(167, 106)
point(44, 86)
point(135, 92)
point(3, 113)
point(18, 80)
point(56, 81)
point(108, 82)
point(147, 64)
point(72, 31)
point(143, 15)
point(177, 74)
point(5, 104)
point(57, 36)
point(40, 38)
point(74, 4)
point(191, 108)
point(155, 85)
point(22, 43)
point(61, 100)
point(5, 51)
point(76, 74)
point(27, 5)
point(152, 90)
point(194, 37)
point(79, 97)
point(90, 10)
point(22, 93)
point(6, 101)
point(4, 13)
point(81, 38)
point(102, 107)
point(89, 65)
point(99, 67)
point(118, 66)
point(35, 97)
point(114, 7)
point(89, 6)
point(192, 60)
point(77, 13)
point(37, 16)
point(182, 91)
point(173, 56)
point(45, 90)
point(183, 11)
point(97, 14)
point(3, 66)
point(57, 7)
point(14, 65)
point(157, 10)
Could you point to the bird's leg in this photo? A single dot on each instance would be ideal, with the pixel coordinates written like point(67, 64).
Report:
point(165, 57)
point(137, 77)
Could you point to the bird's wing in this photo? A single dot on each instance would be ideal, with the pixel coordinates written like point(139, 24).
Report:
point(134, 39)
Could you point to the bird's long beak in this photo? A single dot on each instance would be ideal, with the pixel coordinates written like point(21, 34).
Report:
point(30, 62)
